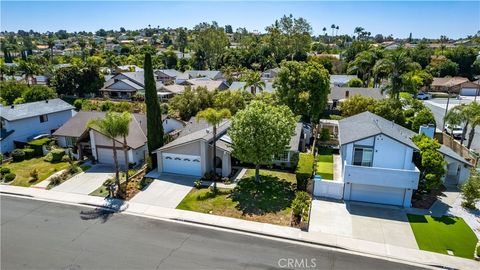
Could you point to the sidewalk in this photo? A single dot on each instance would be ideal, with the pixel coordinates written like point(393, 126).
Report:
point(361, 246)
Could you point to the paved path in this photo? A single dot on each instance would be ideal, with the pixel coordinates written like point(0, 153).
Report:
point(156, 212)
point(42, 235)
point(167, 190)
point(362, 221)
point(86, 182)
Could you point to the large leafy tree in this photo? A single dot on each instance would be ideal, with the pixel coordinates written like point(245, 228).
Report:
point(154, 113)
point(464, 57)
point(38, 92)
point(191, 101)
point(471, 190)
point(214, 117)
point(210, 42)
point(303, 87)
point(430, 163)
point(396, 65)
point(357, 104)
point(261, 131)
point(233, 100)
point(11, 90)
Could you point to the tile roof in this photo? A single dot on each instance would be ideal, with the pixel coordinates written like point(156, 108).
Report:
point(32, 109)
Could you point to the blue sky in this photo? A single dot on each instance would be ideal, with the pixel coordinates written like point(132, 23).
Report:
point(424, 19)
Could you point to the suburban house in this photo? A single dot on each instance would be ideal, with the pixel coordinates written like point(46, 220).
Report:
point(22, 122)
point(191, 153)
point(341, 80)
point(339, 94)
point(91, 142)
point(168, 91)
point(211, 74)
point(170, 76)
point(449, 84)
point(126, 85)
point(270, 74)
point(241, 86)
point(377, 161)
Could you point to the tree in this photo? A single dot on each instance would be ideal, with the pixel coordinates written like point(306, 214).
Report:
point(11, 90)
point(113, 126)
point(191, 101)
point(182, 39)
point(154, 113)
point(357, 104)
point(228, 29)
point(253, 80)
point(471, 190)
point(210, 42)
point(38, 92)
point(430, 163)
point(214, 117)
point(466, 115)
point(443, 68)
point(303, 87)
point(65, 80)
point(396, 64)
point(464, 57)
point(233, 100)
point(355, 82)
point(29, 69)
point(423, 117)
point(261, 131)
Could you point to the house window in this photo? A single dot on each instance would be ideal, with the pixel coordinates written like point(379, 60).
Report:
point(363, 156)
point(43, 118)
point(70, 141)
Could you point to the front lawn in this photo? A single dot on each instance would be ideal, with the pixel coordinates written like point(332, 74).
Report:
point(442, 234)
point(289, 177)
point(22, 170)
point(325, 164)
point(267, 202)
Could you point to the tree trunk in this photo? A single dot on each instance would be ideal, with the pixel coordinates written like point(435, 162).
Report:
point(257, 173)
point(214, 157)
point(125, 152)
point(117, 176)
point(464, 132)
point(470, 136)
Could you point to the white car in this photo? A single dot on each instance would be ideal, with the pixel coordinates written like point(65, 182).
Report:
point(424, 96)
point(454, 131)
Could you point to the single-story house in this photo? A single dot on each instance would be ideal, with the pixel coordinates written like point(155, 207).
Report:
point(191, 153)
point(339, 94)
point(211, 74)
point(22, 122)
point(89, 141)
point(126, 85)
point(236, 85)
point(448, 84)
point(341, 80)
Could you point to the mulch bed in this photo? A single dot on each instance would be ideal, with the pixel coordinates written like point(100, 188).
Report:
point(425, 201)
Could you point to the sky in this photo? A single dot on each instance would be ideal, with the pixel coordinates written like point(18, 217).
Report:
point(429, 19)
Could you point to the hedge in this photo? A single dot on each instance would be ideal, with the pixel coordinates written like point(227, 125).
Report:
point(4, 170)
point(37, 145)
point(29, 153)
point(55, 155)
point(304, 170)
point(9, 177)
point(18, 155)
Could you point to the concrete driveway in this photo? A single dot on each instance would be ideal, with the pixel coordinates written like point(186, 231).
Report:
point(87, 182)
point(168, 190)
point(382, 224)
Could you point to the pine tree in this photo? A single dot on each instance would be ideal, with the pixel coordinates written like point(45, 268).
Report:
point(154, 114)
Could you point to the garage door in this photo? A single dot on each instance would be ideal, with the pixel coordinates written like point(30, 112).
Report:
point(182, 164)
point(468, 91)
point(105, 156)
point(377, 194)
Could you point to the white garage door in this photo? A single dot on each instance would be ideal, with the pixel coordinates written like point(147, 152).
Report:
point(182, 164)
point(469, 91)
point(377, 194)
point(105, 156)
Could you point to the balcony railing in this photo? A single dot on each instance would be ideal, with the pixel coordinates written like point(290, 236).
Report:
point(381, 176)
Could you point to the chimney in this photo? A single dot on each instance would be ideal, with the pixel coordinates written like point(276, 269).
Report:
point(12, 107)
point(347, 93)
point(46, 100)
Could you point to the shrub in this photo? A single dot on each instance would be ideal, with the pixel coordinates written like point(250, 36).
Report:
point(55, 180)
point(29, 153)
point(18, 155)
point(355, 82)
point(4, 170)
point(325, 134)
point(304, 170)
point(471, 190)
point(301, 205)
point(48, 157)
point(34, 174)
point(478, 251)
point(78, 104)
point(57, 154)
point(9, 177)
point(144, 182)
point(198, 183)
point(37, 145)
point(108, 182)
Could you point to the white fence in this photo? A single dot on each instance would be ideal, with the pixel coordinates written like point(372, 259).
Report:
point(328, 188)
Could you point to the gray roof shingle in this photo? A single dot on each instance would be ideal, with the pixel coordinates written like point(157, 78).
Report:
point(32, 109)
point(340, 93)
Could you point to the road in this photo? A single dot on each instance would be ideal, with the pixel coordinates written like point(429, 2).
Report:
point(44, 235)
point(437, 106)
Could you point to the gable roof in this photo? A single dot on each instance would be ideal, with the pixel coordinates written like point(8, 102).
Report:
point(448, 81)
point(341, 78)
point(340, 93)
point(32, 109)
point(236, 85)
point(212, 74)
point(367, 124)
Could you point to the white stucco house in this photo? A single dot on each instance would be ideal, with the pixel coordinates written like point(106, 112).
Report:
point(377, 161)
point(89, 141)
point(22, 122)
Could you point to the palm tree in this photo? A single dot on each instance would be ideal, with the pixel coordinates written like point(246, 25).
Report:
point(51, 44)
point(396, 65)
point(114, 125)
point(253, 80)
point(358, 30)
point(363, 65)
point(82, 43)
point(324, 31)
point(337, 28)
point(214, 117)
point(473, 116)
point(457, 116)
point(29, 69)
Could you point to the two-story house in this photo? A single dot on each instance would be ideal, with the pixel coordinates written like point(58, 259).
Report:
point(22, 122)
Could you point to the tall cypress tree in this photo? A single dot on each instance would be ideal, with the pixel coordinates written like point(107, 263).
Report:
point(154, 114)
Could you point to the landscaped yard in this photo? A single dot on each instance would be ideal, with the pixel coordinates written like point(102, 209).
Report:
point(268, 201)
point(442, 234)
point(22, 170)
point(325, 163)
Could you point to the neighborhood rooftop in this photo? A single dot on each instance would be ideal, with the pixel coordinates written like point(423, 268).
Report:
point(32, 109)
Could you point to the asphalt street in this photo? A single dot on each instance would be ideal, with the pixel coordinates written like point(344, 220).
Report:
point(44, 235)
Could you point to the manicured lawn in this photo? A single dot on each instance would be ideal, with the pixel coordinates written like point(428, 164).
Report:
point(289, 177)
point(23, 169)
point(101, 191)
point(268, 201)
point(442, 234)
point(325, 164)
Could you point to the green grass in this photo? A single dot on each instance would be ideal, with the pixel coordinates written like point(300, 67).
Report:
point(289, 177)
point(22, 170)
point(325, 163)
point(442, 234)
point(101, 191)
point(85, 167)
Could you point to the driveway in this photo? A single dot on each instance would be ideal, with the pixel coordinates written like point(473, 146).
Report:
point(168, 190)
point(387, 225)
point(87, 182)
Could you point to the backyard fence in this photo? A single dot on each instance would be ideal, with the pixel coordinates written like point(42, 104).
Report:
point(328, 188)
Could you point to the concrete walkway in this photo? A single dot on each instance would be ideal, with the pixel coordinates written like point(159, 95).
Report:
point(87, 182)
point(347, 243)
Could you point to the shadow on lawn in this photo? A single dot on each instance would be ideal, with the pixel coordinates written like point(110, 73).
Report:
point(111, 207)
point(270, 195)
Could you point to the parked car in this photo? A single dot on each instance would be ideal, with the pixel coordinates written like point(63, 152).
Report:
point(424, 96)
point(454, 131)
